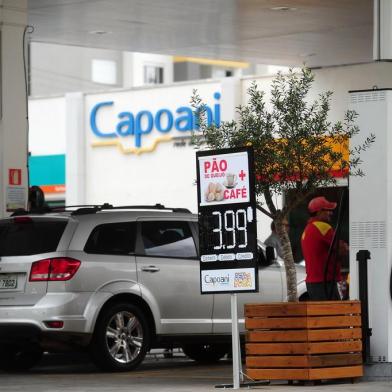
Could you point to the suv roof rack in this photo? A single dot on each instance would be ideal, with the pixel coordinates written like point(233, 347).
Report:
point(106, 206)
point(94, 208)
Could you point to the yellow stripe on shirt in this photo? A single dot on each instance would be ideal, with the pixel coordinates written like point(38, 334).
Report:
point(322, 227)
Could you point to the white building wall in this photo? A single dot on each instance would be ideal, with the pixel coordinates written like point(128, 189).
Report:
point(165, 175)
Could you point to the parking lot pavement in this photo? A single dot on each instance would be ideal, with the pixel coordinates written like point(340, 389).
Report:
point(177, 374)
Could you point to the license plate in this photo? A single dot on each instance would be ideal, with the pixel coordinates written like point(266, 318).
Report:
point(8, 282)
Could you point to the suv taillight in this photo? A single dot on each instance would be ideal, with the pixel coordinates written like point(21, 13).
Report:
point(59, 268)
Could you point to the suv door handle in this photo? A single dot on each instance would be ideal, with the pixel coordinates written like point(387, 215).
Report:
point(150, 268)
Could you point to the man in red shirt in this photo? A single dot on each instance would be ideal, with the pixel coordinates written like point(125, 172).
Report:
point(316, 242)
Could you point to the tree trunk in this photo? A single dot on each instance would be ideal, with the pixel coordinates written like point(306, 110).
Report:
point(291, 274)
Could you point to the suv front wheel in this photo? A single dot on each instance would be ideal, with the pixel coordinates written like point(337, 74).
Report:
point(121, 338)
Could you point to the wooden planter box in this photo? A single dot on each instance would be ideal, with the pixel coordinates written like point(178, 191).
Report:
point(304, 340)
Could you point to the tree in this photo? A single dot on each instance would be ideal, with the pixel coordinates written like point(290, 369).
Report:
point(296, 148)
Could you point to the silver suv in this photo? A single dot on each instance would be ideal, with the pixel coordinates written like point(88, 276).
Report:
point(116, 281)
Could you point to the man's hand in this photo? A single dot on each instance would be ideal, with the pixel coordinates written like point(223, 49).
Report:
point(343, 247)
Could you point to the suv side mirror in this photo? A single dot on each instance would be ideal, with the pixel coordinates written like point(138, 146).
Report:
point(270, 254)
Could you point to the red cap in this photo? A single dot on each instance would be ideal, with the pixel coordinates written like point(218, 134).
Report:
point(320, 203)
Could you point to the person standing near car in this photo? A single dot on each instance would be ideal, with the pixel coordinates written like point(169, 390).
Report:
point(316, 241)
point(274, 240)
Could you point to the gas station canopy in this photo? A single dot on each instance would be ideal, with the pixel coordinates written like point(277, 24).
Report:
point(315, 32)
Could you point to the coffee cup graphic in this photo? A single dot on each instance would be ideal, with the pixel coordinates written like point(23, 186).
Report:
point(231, 180)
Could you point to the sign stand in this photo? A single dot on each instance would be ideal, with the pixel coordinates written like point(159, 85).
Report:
point(238, 379)
point(227, 232)
point(235, 342)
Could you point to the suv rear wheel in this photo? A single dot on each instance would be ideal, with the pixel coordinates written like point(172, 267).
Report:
point(121, 338)
point(206, 352)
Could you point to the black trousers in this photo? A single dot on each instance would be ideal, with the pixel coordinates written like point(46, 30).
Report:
point(323, 291)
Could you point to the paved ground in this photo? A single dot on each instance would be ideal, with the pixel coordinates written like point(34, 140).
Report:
point(75, 373)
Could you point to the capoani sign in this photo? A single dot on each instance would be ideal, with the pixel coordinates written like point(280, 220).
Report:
point(135, 130)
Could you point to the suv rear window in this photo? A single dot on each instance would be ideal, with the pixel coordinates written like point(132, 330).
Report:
point(112, 239)
point(25, 236)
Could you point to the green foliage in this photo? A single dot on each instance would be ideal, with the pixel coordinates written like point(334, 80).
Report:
point(296, 147)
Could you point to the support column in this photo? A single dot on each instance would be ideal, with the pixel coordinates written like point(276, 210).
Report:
point(13, 103)
point(382, 30)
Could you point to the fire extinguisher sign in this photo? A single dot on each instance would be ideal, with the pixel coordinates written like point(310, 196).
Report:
point(15, 192)
point(14, 176)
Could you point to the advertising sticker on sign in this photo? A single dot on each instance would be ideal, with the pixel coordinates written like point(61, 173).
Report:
point(224, 179)
point(228, 280)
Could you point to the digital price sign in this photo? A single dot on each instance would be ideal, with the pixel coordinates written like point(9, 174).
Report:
point(227, 221)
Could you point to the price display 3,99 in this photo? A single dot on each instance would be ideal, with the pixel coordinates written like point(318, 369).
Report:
point(227, 221)
point(225, 235)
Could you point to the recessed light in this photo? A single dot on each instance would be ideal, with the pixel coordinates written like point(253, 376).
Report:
point(99, 32)
point(283, 8)
point(307, 54)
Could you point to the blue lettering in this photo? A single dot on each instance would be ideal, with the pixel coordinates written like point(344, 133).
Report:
point(209, 115)
point(158, 120)
point(142, 123)
point(139, 131)
point(93, 120)
point(185, 122)
point(217, 120)
point(126, 127)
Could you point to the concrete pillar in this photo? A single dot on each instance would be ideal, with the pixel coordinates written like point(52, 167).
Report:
point(382, 30)
point(75, 171)
point(13, 103)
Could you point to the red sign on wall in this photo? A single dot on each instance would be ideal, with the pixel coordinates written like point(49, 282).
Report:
point(14, 176)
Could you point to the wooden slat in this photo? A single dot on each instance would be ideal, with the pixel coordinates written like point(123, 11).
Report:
point(278, 374)
point(334, 347)
point(277, 361)
point(333, 308)
point(314, 308)
point(276, 348)
point(300, 335)
point(302, 322)
point(303, 361)
point(303, 348)
point(336, 372)
point(331, 360)
point(333, 321)
point(305, 374)
point(276, 323)
point(278, 309)
point(303, 335)
point(314, 335)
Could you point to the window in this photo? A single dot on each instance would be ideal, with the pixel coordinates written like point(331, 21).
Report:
point(168, 239)
point(25, 236)
point(104, 71)
point(153, 74)
point(112, 239)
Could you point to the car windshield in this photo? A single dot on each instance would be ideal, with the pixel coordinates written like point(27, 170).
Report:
point(23, 236)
